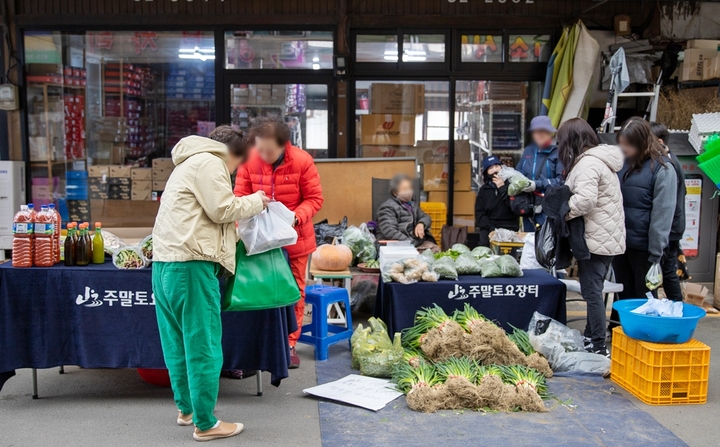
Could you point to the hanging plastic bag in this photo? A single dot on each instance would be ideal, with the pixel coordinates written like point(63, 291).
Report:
point(654, 278)
point(268, 230)
point(545, 245)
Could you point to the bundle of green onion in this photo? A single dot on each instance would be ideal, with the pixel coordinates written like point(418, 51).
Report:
point(468, 317)
point(409, 378)
point(426, 319)
point(522, 340)
point(488, 370)
point(524, 377)
point(454, 368)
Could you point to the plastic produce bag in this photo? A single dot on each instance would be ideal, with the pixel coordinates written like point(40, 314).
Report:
point(146, 248)
point(460, 248)
point(373, 351)
point(506, 173)
point(660, 308)
point(129, 257)
point(490, 269)
point(509, 266)
point(430, 276)
point(361, 242)
point(112, 242)
point(504, 235)
point(481, 252)
point(326, 232)
point(445, 268)
point(653, 278)
point(428, 257)
point(270, 229)
point(466, 264)
point(545, 245)
point(564, 347)
point(518, 184)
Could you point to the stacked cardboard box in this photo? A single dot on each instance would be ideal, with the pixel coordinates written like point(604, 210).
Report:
point(98, 181)
point(701, 61)
point(393, 112)
point(434, 157)
point(141, 183)
point(119, 184)
point(161, 170)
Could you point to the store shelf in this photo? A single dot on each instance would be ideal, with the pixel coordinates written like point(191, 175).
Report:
point(53, 84)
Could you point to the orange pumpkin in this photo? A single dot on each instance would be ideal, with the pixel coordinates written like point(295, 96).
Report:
point(332, 258)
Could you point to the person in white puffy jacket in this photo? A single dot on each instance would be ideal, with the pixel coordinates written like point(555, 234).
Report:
point(591, 175)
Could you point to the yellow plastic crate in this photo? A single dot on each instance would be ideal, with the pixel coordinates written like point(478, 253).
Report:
point(661, 374)
point(438, 217)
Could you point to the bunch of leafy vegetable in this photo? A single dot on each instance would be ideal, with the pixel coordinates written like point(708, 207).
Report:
point(445, 268)
point(128, 258)
point(481, 252)
point(361, 242)
point(448, 253)
point(518, 184)
point(146, 247)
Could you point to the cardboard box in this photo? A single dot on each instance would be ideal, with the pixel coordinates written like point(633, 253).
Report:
point(119, 181)
point(704, 44)
point(465, 220)
point(435, 177)
point(398, 99)
point(141, 195)
point(141, 174)
point(367, 151)
point(98, 187)
point(79, 210)
point(119, 192)
point(388, 130)
point(99, 171)
point(162, 163)
point(428, 151)
point(695, 293)
point(161, 174)
point(120, 171)
point(41, 192)
point(692, 68)
point(158, 185)
point(39, 149)
point(711, 69)
point(463, 201)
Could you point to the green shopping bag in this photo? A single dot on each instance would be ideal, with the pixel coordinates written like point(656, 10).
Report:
point(261, 281)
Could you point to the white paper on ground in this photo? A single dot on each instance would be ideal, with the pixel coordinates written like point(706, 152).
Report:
point(361, 391)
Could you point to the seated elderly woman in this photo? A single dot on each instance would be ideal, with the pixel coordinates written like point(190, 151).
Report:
point(401, 219)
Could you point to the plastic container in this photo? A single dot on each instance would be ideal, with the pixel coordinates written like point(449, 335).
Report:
point(44, 255)
point(57, 228)
point(658, 329)
point(438, 217)
point(23, 240)
point(661, 374)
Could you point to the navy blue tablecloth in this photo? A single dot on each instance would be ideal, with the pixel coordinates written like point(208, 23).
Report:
point(102, 317)
point(508, 301)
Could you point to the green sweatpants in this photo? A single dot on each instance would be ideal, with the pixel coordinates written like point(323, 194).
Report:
point(187, 303)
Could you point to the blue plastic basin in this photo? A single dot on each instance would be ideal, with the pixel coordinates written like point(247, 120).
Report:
point(658, 329)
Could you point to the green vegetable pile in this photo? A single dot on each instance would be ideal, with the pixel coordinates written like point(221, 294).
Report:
point(374, 264)
point(448, 254)
point(464, 361)
point(481, 252)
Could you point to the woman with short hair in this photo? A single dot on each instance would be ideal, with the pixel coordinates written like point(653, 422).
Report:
point(194, 241)
point(288, 175)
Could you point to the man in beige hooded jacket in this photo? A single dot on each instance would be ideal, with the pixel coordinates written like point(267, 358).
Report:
point(194, 241)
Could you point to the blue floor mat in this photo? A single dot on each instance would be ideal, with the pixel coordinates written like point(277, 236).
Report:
point(591, 414)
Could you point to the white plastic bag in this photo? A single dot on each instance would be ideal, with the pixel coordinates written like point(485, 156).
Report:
point(268, 230)
point(660, 308)
point(653, 278)
point(563, 347)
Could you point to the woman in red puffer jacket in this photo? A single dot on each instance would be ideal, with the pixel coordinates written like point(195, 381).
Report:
point(288, 175)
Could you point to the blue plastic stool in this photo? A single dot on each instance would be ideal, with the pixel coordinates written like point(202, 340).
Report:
point(321, 334)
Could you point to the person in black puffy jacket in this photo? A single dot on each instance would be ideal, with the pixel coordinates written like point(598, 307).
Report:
point(492, 206)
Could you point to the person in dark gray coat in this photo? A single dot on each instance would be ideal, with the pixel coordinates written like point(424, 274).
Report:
point(401, 219)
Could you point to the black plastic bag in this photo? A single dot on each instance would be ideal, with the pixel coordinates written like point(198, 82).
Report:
point(326, 232)
point(545, 245)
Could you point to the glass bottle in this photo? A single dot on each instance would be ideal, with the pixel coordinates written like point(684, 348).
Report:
point(70, 245)
point(81, 251)
point(98, 245)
